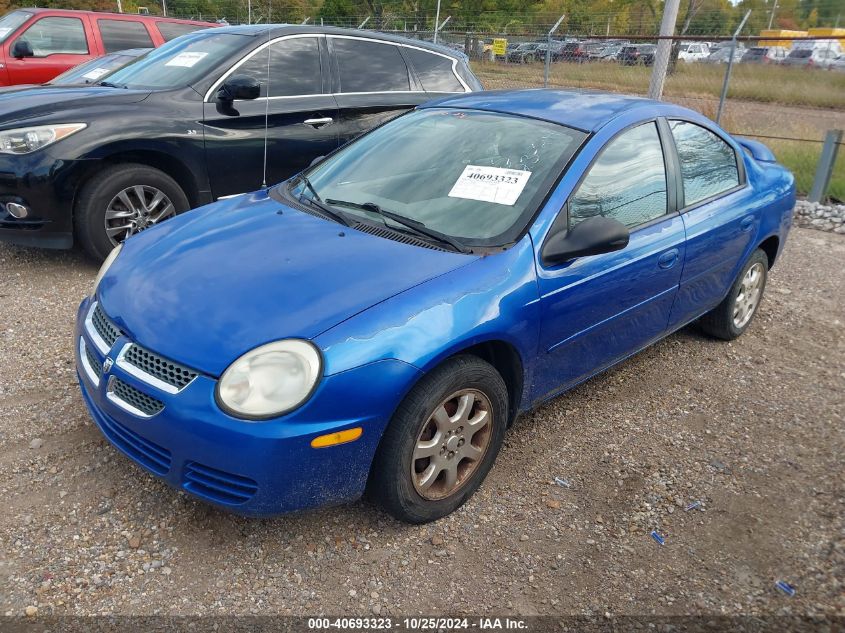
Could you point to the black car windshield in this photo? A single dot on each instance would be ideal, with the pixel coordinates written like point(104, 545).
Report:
point(92, 71)
point(11, 21)
point(181, 62)
point(475, 176)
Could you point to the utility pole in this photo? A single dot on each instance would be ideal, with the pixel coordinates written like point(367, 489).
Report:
point(119, 7)
point(436, 21)
point(164, 8)
point(772, 14)
point(664, 49)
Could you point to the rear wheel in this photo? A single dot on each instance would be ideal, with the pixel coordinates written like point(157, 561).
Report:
point(733, 316)
point(123, 200)
point(441, 442)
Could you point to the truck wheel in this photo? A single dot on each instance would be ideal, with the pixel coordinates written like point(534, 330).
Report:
point(123, 200)
point(441, 442)
point(733, 316)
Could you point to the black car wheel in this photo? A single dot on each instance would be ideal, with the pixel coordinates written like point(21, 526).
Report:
point(733, 316)
point(123, 200)
point(441, 442)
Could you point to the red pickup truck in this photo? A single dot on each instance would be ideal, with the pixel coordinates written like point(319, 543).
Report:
point(38, 44)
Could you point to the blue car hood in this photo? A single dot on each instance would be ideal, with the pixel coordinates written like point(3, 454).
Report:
point(209, 285)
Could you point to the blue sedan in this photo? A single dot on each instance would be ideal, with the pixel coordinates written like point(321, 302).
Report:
point(374, 324)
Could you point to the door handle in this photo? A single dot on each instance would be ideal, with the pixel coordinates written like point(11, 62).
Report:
point(746, 223)
point(668, 259)
point(319, 122)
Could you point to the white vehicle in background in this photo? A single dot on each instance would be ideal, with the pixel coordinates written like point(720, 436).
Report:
point(813, 54)
point(694, 51)
point(839, 64)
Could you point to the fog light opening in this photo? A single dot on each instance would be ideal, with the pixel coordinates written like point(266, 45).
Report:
point(333, 439)
point(16, 210)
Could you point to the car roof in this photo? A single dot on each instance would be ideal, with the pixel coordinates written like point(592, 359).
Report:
point(109, 14)
point(587, 110)
point(278, 30)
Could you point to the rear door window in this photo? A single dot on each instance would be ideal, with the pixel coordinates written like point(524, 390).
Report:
point(118, 35)
point(708, 164)
point(294, 65)
point(434, 71)
point(56, 36)
point(368, 66)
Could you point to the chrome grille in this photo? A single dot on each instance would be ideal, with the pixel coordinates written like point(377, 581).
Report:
point(159, 367)
point(125, 394)
point(105, 328)
point(96, 365)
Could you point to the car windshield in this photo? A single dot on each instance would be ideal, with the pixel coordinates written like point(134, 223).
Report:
point(92, 71)
point(11, 21)
point(475, 176)
point(801, 53)
point(181, 62)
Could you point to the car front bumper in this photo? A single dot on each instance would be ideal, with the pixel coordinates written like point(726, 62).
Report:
point(46, 187)
point(250, 468)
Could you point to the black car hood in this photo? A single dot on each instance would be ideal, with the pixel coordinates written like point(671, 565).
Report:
point(37, 102)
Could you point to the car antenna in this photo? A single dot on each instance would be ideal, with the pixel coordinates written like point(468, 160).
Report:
point(267, 99)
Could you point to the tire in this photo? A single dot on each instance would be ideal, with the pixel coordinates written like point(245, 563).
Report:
point(722, 322)
point(392, 484)
point(102, 190)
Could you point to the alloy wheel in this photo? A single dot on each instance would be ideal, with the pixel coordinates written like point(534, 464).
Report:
point(748, 298)
point(451, 444)
point(134, 209)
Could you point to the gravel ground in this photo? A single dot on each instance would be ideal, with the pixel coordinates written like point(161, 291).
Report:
point(753, 430)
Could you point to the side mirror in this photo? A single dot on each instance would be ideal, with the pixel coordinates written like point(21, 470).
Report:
point(241, 87)
point(21, 49)
point(593, 236)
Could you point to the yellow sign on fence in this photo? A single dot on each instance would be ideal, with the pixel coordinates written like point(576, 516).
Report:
point(500, 45)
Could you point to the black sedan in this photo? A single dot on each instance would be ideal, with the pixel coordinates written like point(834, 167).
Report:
point(638, 54)
point(185, 125)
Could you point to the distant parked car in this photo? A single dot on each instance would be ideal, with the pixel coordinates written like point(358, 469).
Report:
point(611, 51)
point(38, 44)
point(593, 51)
point(764, 55)
point(573, 52)
point(723, 54)
point(810, 58)
point(693, 51)
point(638, 54)
point(524, 53)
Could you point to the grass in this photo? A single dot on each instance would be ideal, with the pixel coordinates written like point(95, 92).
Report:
point(801, 159)
point(763, 84)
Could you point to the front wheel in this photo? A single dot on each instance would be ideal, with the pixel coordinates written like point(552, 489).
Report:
point(122, 200)
point(441, 442)
point(733, 316)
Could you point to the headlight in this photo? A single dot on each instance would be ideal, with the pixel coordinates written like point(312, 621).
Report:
point(270, 380)
point(105, 267)
point(24, 140)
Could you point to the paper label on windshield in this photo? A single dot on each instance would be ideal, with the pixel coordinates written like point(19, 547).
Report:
point(490, 184)
point(186, 60)
point(95, 73)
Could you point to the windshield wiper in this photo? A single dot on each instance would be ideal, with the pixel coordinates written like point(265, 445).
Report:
point(417, 227)
point(316, 201)
point(109, 84)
